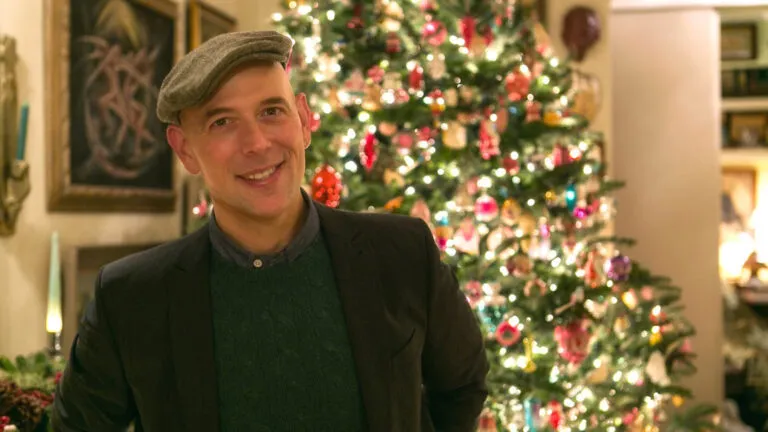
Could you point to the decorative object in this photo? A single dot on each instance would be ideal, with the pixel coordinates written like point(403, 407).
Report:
point(581, 31)
point(738, 41)
point(105, 62)
point(738, 188)
point(80, 269)
point(586, 93)
point(14, 170)
point(205, 21)
point(53, 318)
point(746, 129)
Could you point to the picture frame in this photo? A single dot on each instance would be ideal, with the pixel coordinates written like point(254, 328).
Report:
point(739, 195)
point(747, 129)
point(106, 147)
point(205, 21)
point(80, 269)
point(738, 41)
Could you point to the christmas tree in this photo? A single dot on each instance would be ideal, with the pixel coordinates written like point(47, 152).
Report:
point(457, 112)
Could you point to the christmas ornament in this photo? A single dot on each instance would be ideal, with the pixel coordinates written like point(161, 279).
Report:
point(511, 165)
point(486, 208)
point(533, 111)
point(591, 272)
point(436, 66)
point(393, 177)
point(656, 369)
point(498, 236)
point(573, 341)
point(467, 239)
point(355, 84)
point(502, 120)
point(392, 81)
point(435, 101)
point(581, 30)
point(416, 79)
point(387, 129)
point(392, 43)
point(451, 97)
point(368, 151)
point(326, 186)
point(629, 299)
point(467, 26)
point(434, 33)
point(442, 236)
point(570, 197)
point(518, 84)
point(555, 414)
point(552, 118)
point(372, 98)
point(474, 292)
point(618, 268)
point(519, 265)
point(507, 334)
point(455, 136)
point(530, 366)
point(394, 15)
point(487, 422)
point(560, 155)
point(404, 141)
point(488, 140)
point(314, 122)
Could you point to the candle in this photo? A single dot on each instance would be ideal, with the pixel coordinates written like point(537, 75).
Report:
point(22, 138)
point(53, 317)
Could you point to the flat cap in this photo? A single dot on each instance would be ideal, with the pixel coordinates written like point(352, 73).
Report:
point(199, 74)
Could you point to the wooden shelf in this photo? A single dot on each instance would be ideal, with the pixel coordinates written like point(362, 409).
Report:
point(744, 156)
point(745, 104)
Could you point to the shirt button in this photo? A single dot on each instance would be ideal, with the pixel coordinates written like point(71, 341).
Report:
point(257, 263)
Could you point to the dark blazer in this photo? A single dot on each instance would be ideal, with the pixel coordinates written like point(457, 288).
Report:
point(144, 350)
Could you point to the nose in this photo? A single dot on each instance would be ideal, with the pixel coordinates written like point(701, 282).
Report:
point(253, 139)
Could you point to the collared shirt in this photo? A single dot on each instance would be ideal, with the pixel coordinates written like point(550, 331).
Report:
point(235, 253)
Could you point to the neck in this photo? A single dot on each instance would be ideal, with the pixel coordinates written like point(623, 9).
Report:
point(262, 236)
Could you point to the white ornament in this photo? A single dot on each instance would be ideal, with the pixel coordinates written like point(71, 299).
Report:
point(657, 369)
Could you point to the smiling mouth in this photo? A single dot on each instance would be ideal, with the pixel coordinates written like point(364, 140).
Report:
point(263, 175)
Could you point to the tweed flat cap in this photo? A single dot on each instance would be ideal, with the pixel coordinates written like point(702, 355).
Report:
point(199, 74)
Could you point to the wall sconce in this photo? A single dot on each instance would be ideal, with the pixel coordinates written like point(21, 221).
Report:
point(14, 170)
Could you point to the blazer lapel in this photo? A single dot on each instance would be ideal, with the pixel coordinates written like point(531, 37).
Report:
point(191, 332)
point(360, 290)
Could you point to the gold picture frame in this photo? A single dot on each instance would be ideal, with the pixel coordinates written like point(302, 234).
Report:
point(104, 64)
point(205, 21)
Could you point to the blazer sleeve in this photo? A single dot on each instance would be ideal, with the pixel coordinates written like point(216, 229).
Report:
point(454, 362)
point(92, 394)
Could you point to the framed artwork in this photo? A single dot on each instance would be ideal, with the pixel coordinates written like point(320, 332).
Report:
point(746, 129)
point(105, 62)
point(205, 21)
point(738, 41)
point(739, 196)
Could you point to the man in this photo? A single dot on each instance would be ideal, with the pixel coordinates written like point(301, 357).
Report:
point(282, 315)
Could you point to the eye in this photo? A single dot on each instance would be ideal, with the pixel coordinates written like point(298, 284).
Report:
point(271, 111)
point(221, 122)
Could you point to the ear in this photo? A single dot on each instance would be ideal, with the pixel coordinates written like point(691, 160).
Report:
point(180, 145)
point(304, 115)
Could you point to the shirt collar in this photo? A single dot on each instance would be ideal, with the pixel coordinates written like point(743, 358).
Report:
point(233, 252)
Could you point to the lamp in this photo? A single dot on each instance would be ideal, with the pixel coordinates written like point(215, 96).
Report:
point(14, 170)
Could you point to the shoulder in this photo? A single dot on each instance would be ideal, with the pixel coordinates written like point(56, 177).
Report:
point(386, 226)
point(151, 264)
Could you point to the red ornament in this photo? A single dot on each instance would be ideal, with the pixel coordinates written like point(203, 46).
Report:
point(393, 43)
point(488, 141)
point(467, 25)
point(561, 155)
point(5, 421)
point(416, 78)
point(434, 33)
point(517, 84)
point(368, 151)
point(507, 334)
point(356, 23)
point(555, 414)
point(591, 275)
point(533, 111)
point(326, 186)
point(511, 165)
point(486, 208)
point(573, 340)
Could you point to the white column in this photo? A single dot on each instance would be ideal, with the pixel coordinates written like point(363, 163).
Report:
point(666, 123)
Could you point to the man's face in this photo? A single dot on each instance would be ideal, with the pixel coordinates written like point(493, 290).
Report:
point(248, 142)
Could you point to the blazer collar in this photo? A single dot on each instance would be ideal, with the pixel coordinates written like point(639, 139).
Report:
point(359, 286)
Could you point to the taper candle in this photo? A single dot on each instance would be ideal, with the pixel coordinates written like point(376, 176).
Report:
point(53, 317)
point(21, 142)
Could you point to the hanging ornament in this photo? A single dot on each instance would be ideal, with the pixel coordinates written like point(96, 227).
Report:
point(387, 129)
point(510, 211)
point(507, 334)
point(573, 341)
point(435, 101)
point(570, 197)
point(467, 26)
point(621, 325)
point(486, 208)
point(519, 265)
point(488, 140)
point(502, 119)
point(552, 118)
point(436, 66)
point(467, 94)
point(555, 414)
point(355, 84)
point(560, 155)
point(326, 186)
point(629, 299)
point(368, 151)
point(512, 166)
point(372, 98)
point(618, 268)
point(467, 239)
point(533, 111)
point(404, 142)
point(455, 136)
point(393, 177)
point(356, 22)
point(451, 97)
point(518, 84)
point(496, 237)
point(376, 74)
point(591, 268)
point(393, 16)
point(434, 32)
point(526, 223)
point(442, 235)
point(487, 422)
point(416, 79)
point(392, 43)
point(530, 366)
point(656, 369)
point(392, 81)
point(420, 210)
point(202, 209)
point(580, 213)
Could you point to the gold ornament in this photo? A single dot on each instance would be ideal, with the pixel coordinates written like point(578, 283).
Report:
point(630, 299)
point(527, 223)
point(451, 97)
point(552, 118)
point(455, 136)
point(510, 211)
point(678, 401)
point(391, 176)
point(655, 339)
point(530, 366)
point(372, 98)
point(621, 325)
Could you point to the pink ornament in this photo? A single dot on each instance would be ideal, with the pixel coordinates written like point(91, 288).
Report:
point(434, 33)
point(466, 238)
point(393, 43)
point(474, 292)
point(573, 341)
point(518, 84)
point(404, 142)
point(376, 73)
point(507, 334)
point(646, 293)
point(560, 155)
point(618, 268)
point(544, 230)
point(488, 141)
point(486, 208)
point(533, 111)
point(580, 213)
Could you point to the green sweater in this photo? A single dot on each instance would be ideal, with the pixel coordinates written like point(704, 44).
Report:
point(283, 358)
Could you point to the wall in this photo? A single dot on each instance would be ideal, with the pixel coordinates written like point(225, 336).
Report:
point(666, 112)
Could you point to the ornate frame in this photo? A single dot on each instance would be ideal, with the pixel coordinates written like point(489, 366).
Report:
point(199, 12)
point(63, 195)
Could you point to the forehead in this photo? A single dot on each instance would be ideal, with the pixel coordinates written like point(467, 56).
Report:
point(253, 80)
